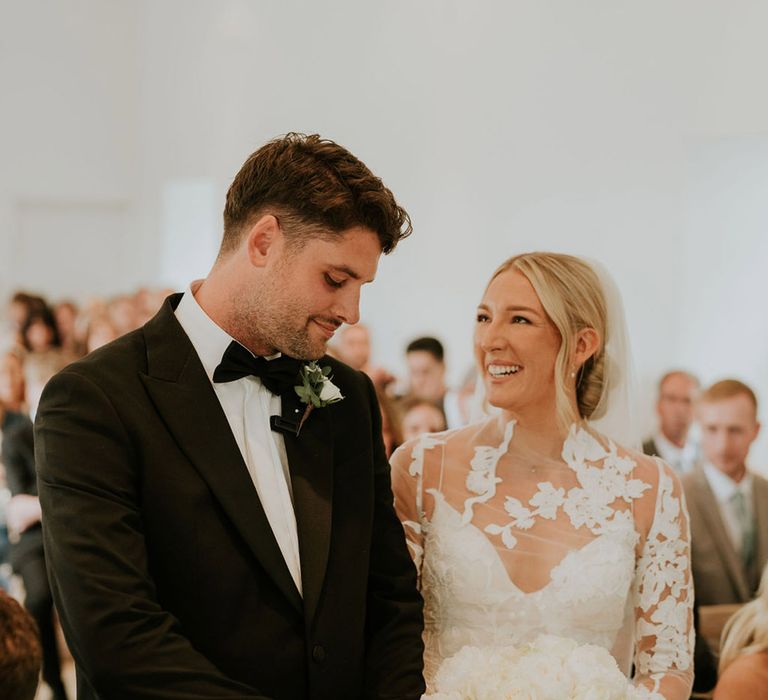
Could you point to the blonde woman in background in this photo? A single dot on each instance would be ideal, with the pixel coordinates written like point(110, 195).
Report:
point(743, 666)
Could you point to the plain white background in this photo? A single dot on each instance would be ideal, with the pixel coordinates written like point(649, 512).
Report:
point(633, 133)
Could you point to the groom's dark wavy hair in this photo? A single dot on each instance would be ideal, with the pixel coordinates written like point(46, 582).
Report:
point(315, 188)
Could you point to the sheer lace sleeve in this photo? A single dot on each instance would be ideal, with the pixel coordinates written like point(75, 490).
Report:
point(407, 486)
point(663, 594)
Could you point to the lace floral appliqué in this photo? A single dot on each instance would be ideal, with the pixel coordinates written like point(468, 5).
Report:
point(603, 478)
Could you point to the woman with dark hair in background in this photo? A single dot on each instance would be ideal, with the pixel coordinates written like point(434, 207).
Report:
point(40, 332)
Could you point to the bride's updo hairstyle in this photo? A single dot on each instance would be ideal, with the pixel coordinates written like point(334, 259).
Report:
point(572, 297)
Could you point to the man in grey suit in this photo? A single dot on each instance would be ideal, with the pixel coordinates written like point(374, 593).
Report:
point(728, 504)
point(672, 440)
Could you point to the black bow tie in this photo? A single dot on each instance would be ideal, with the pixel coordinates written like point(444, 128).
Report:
point(277, 375)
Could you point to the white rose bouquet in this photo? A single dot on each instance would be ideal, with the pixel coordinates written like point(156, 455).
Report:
point(549, 668)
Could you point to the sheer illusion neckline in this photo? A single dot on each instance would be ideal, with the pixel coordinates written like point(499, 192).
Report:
point(591, 498)
point(446, 515)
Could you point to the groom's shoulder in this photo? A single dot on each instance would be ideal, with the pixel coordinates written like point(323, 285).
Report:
point(114, 361)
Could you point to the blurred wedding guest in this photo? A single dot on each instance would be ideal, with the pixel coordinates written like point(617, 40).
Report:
point(353, 347)
point(20, 305)
point(65, 313)
point(744, 651)
point(673, 440)
point(38, 369)
point(419, 417)
point(457, 405)
point(728, 504)
point(39, 332)
point(704, 661)
point(7, 420)
point(18, 309)
point(12, 382)
point(425, 358)
point(123, 315)
point(100, 331)
point(147, 302)
point(391, 431)
point(5, 566)
point(19, 651)
point(23, 516)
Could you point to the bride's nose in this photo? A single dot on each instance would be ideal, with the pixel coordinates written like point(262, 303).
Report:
point(491, 337)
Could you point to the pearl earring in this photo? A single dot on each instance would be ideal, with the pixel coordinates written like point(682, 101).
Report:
point(573, 373)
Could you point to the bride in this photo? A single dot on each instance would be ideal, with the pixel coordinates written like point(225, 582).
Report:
point(534, 520)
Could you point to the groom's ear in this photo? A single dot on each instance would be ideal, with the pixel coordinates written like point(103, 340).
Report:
point(261, 240)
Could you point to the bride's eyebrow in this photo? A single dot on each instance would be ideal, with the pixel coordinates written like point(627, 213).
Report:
point(511, 309)
point(524, 309)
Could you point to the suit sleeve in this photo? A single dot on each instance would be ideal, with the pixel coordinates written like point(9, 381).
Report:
point(126, 645)
point(394, 658)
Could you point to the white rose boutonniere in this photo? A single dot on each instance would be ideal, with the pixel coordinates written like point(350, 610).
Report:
point(316, 389)
point(330, 393)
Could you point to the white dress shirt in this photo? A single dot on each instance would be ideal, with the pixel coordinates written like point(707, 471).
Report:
point(681, 459)
point(724, 489)
point(248, 405)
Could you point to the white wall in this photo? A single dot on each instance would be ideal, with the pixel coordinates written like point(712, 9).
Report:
point(68, 143)
point(724, 326)
point(611, 129)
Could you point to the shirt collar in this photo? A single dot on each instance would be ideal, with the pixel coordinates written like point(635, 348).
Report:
point(667, 447)
point(688, 450)
point(723, 486)
point(209, 340)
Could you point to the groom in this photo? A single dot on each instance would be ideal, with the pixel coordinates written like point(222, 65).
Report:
point(210, 531)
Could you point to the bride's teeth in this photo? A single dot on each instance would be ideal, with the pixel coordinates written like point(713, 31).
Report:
point(502, 370)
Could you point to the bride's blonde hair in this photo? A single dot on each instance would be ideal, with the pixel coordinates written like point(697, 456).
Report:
point(746, 632)
point(572, 296)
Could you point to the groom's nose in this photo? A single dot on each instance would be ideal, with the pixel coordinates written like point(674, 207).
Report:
point(347, 307)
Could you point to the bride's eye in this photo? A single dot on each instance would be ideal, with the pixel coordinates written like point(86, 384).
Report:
point(482, 317)
point(520, 319)
point(331, 282)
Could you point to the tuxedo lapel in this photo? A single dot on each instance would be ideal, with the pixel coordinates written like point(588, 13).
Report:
point(310, 460)
point(184, 397)
point(714, 523)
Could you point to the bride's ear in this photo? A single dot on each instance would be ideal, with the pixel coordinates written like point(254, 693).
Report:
point(587, 343)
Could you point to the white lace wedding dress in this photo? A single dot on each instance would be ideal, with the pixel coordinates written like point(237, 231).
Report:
point(592, 545)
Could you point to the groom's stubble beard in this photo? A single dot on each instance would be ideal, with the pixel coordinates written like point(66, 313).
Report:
point(269, 316)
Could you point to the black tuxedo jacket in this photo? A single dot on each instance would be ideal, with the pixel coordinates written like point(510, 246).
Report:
point(165, 572)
